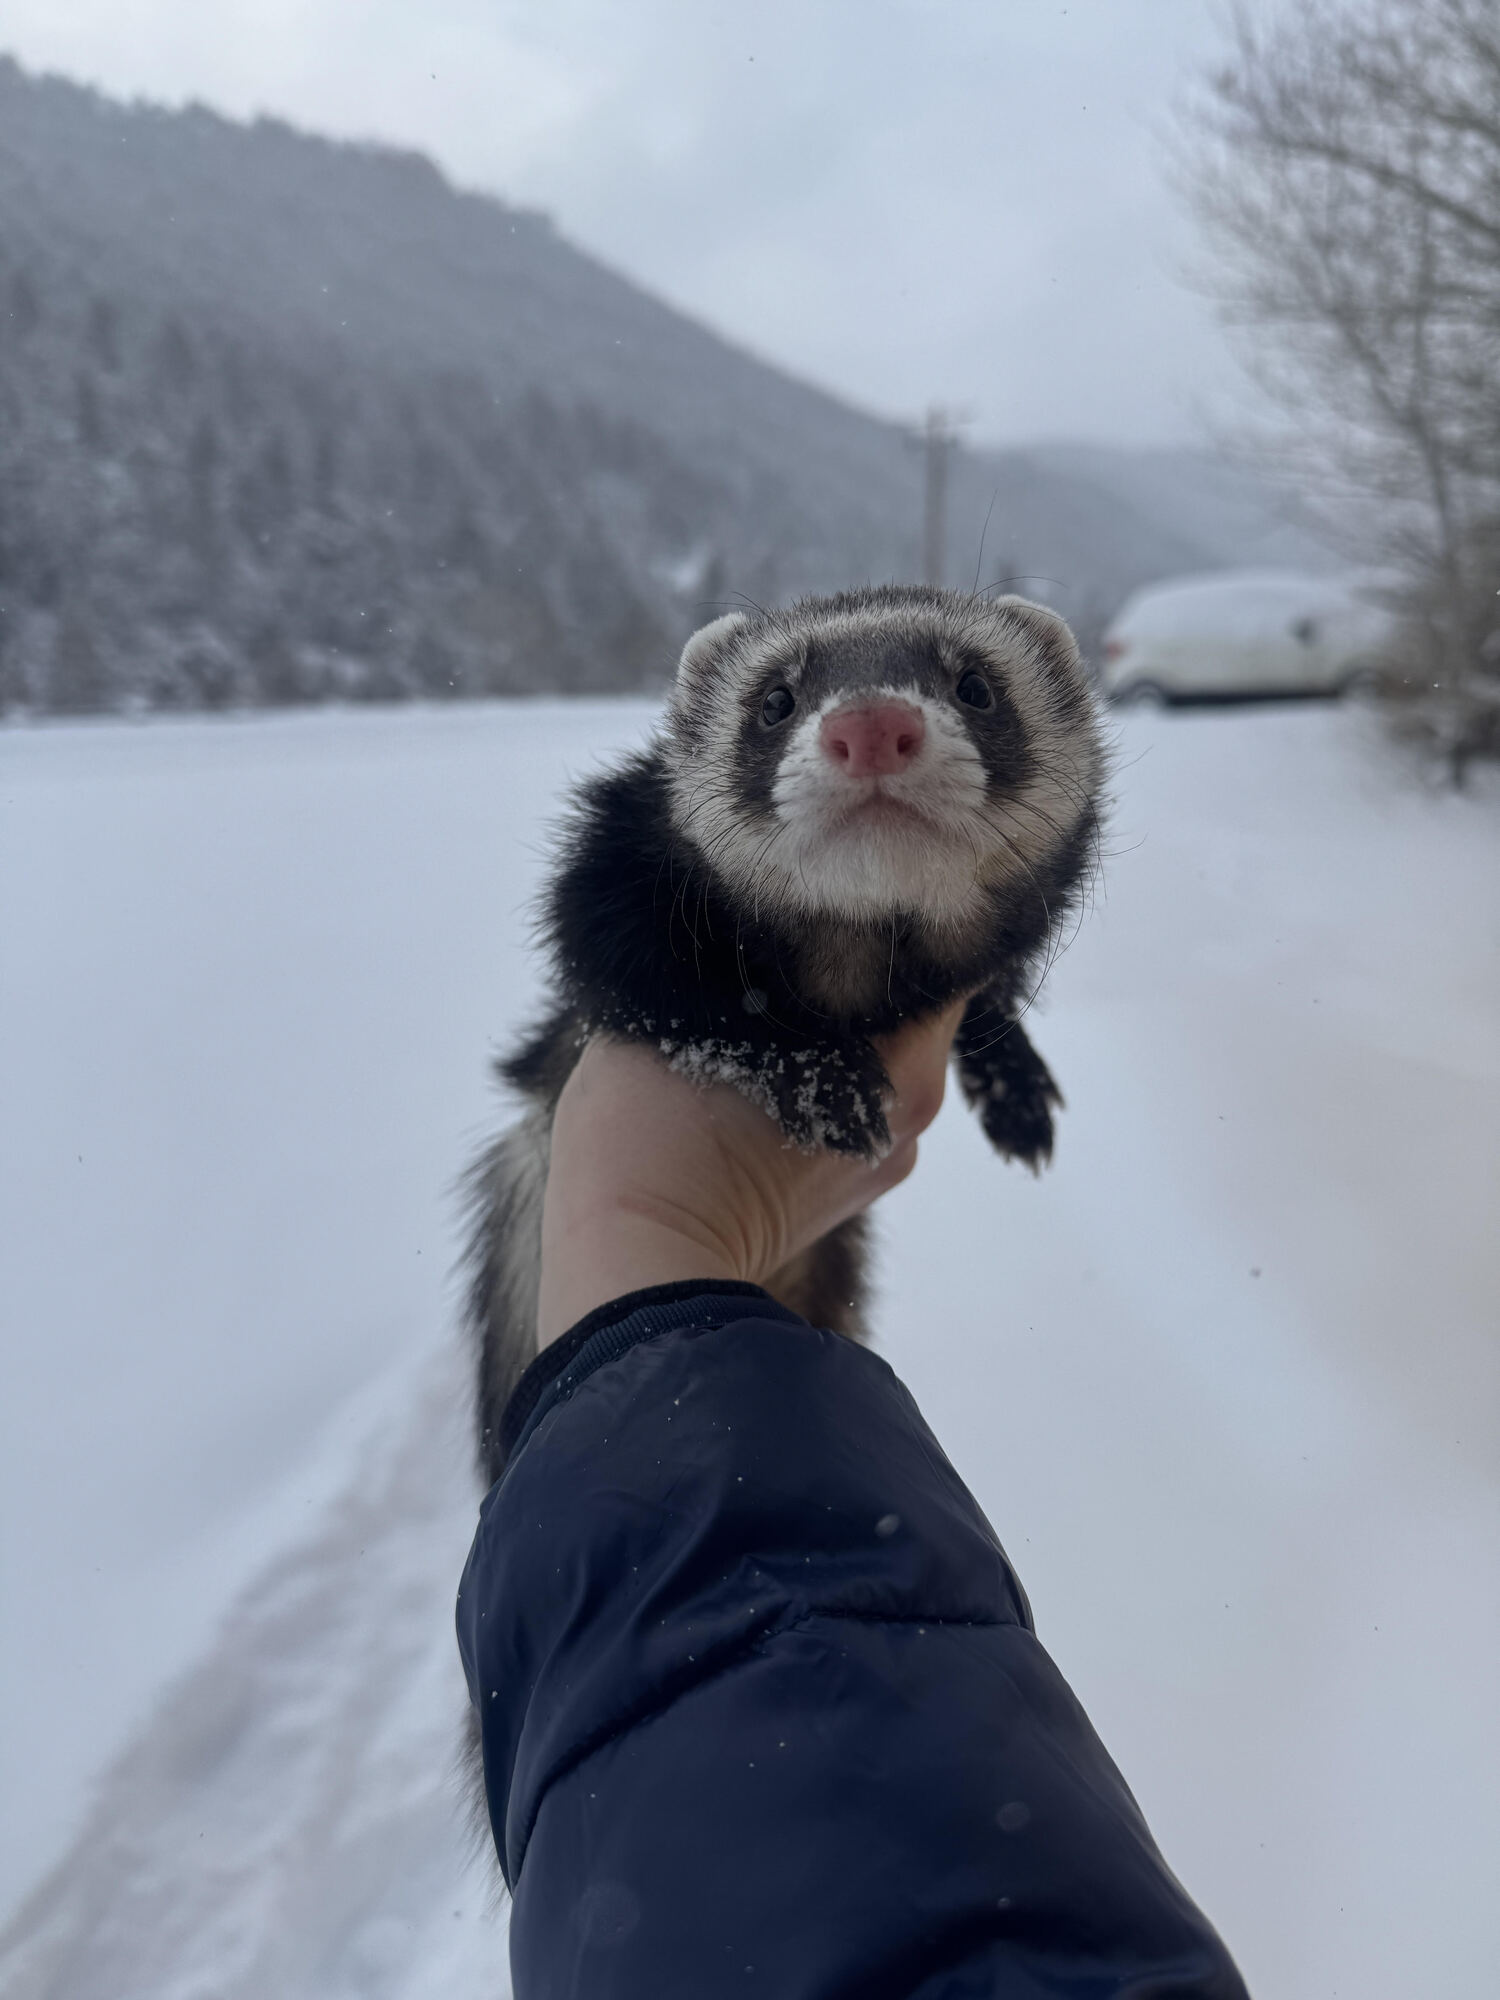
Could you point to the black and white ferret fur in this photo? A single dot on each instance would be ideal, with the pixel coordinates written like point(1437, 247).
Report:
point(856, 810)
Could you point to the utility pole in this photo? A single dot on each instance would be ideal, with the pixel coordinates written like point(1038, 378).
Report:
point(938, 437)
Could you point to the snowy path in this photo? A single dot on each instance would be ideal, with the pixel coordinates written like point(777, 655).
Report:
point(288, 1822)
point(1226, 1380)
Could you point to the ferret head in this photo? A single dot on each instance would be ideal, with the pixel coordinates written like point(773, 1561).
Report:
point(888, 750)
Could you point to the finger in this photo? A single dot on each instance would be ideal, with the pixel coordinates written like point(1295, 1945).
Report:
point(921, 1040)
point(859, 1185)
point(916, 1060)
point(897, 1164)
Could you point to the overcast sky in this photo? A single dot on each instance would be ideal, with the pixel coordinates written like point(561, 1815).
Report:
point(905, 200)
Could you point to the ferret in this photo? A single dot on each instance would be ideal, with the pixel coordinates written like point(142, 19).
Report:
point(856, 810)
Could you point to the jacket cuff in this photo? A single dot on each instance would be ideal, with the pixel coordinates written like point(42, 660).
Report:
point(612, 1329)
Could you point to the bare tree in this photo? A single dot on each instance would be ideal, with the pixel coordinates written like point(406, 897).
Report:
point(1345, 160)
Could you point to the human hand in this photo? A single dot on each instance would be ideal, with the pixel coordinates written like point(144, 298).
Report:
point(655, 1178)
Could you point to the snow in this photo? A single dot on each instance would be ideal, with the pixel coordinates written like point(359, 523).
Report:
point(1240, 601)
point(1225, 1378)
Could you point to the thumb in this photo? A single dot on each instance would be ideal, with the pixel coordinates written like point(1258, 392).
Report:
point(916, 1060)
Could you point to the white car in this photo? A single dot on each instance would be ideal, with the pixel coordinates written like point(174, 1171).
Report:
point(1240, 633)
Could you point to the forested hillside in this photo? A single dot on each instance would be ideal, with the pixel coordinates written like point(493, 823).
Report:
point(283, 420)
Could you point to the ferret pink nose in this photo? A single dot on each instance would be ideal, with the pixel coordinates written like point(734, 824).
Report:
point(873, 742)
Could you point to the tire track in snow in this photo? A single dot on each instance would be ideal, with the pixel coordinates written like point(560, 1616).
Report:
point(291, 1821)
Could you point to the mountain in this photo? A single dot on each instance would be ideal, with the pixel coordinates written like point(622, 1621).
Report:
point(283, 419)
point(1206, 501)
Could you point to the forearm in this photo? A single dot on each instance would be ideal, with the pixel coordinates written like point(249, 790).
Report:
point(766, 1695)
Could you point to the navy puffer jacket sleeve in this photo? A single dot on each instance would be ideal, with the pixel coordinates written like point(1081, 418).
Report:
point(761, 1705)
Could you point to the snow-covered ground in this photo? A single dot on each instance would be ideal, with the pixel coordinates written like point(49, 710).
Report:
point(1226, 1379)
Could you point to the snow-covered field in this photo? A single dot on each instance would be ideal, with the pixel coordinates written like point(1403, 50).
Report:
point(1225, 1380)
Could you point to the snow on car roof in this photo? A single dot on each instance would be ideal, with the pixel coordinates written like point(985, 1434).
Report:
point(1224, 601)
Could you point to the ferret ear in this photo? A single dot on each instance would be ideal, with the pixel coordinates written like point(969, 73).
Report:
point(1049, 639)
point(1049, 631)
point(704, 644)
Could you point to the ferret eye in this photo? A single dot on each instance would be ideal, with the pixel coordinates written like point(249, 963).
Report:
point(777, 706)
point(974, 691)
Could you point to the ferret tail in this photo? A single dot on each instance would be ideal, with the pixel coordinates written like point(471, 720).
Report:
point(504, 1190)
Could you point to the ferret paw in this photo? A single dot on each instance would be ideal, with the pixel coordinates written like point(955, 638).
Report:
point(821, 1098)
point(1013, 1091)
point(827, 1101)
point(1019, 1124)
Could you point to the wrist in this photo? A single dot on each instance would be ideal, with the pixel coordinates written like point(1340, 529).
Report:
point(587, 1264)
